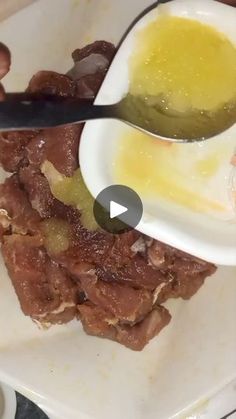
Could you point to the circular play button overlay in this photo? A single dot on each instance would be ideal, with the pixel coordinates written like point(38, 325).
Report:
point(118, 209)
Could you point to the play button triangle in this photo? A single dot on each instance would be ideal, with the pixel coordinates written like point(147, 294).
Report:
point(116, 209)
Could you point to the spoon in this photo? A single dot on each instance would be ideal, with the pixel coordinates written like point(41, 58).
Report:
point(22, 111)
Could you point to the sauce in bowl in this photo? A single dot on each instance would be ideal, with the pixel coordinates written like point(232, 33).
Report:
point(183, 174)
point(184, 69)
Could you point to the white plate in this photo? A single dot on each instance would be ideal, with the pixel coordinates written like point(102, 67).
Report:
point(69, 373)
point(7, 402)
point(209, 236)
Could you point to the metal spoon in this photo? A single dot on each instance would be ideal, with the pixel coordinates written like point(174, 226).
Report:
point(22, 111)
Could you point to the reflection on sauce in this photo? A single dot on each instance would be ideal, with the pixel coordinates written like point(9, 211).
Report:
point(159, 169)
point(183, 68)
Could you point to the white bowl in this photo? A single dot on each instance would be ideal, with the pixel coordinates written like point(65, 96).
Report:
point(203, 235)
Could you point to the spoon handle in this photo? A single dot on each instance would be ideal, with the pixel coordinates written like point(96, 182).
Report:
point(23, 111)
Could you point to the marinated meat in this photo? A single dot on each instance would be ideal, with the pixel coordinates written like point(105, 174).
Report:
point(41, 198)
point(43, 288)
point(95, 249)
point(25, 259)
point(97, 322)
point(91, 65)
point(88, 66)
point(137, 273)
point(14, 201)
point(185, 274)
point(88, 86)
point(138, 336)
point(104, 48)
point(182, 286)
point(83, 80)
point(126, 304)
point(166, 257)
point(115, 284)
point(57, 145)
point(113, 262)
point(87, 246)
point(13, 149)
point(52, 84)
point(122, 250)
point(38, 190)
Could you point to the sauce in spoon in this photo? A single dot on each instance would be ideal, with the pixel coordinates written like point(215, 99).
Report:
point(183, 69)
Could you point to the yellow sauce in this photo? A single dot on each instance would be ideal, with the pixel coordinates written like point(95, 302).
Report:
point(71, 191)
point(157, 169)
point(187, 64)
point(56, 235)
point(207, 167)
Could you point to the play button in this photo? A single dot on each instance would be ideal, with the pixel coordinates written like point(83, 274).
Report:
point(118, 209)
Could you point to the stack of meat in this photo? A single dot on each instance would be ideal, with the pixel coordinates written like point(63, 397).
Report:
point(115, 284)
